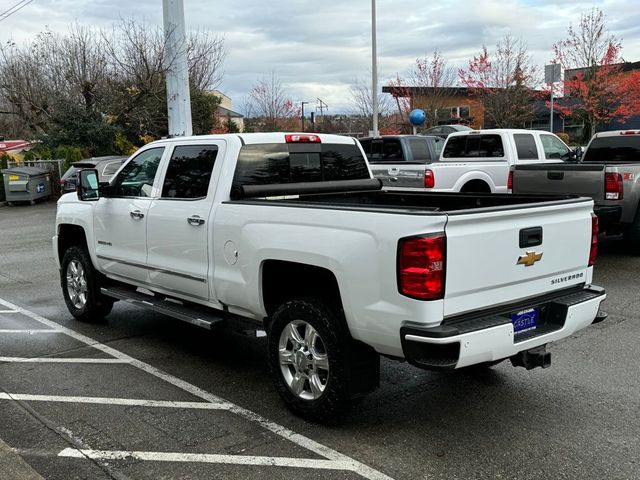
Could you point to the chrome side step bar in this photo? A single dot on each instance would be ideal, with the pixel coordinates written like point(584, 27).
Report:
point(194, 315)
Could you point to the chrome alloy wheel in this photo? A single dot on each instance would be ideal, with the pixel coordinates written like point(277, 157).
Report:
point(76, 284)
point(303, 360)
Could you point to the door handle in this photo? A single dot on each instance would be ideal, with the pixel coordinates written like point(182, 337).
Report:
point(195, 220)
point(393, 179)
point(136, 214)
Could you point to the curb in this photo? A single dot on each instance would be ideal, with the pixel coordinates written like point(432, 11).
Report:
point(13, 466)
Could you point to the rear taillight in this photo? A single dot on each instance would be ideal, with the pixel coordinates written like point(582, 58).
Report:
point(613, 186)
point(630, 132)
point(510, 181)
point(301, 138)
point(421, 266)
point(429, 179)
point(593, 253)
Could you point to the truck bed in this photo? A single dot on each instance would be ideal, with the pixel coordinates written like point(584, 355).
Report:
point(415, 202)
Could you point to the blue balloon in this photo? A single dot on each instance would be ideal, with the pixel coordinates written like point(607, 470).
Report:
point(417, 117)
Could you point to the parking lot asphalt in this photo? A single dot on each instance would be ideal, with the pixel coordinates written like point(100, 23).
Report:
point(143, 396)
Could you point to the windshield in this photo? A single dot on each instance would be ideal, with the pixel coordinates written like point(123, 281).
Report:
point(617, 149)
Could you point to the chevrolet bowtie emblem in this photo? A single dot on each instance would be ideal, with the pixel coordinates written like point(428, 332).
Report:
point(529, 259)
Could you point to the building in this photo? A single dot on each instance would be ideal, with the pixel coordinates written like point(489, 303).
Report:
point(224, 113)
point(456, 106)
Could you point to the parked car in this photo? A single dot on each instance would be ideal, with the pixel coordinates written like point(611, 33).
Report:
point(400, 160)
point(443, 131)
point(479, 160)
point(608, 172)
point(106, 167)
point(290, 233)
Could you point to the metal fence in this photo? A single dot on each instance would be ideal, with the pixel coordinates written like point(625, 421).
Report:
point(54, 167)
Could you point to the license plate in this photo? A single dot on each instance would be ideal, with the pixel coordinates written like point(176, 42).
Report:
point(14, 177)
point(525, 321)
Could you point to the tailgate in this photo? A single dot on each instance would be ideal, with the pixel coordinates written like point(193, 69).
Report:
point(560, 178)
point(405, 175)
point(486, 266)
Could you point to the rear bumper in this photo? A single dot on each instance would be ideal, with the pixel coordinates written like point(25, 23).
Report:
point(607, 214)
point(473, 339)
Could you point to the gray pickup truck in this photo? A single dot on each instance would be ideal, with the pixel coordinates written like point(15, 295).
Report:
point(608, 172)
point(400, 160)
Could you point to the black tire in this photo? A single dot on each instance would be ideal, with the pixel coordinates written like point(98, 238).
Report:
point(335, 399)
point(95, 306)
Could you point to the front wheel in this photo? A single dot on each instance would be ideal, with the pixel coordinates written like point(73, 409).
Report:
point(81, 287)
point(308, 359)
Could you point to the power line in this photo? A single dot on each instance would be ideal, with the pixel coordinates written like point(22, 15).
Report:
point(16, 8)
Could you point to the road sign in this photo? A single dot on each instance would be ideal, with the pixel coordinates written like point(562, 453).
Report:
point(552, 73)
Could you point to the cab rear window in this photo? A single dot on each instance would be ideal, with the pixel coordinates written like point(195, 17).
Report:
point(474, 146)
point(618, 149)
point(277, 163)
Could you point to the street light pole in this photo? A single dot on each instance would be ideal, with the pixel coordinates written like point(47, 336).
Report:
point(374, 69)
point(178, 96)
point(302, 116)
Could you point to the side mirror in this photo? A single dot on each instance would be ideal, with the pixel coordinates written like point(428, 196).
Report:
point(88, 185)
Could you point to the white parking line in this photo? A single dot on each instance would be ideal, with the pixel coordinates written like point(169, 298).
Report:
point(9, 311)
point(336, 457)
point(207, 458)
point(29, 331)
point(61, 360)
point(113, 401)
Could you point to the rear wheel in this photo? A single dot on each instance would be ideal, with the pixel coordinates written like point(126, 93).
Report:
point(308, 359)
point(81, 286)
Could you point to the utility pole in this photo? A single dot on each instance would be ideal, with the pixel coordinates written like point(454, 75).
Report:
point(178, 96)
point(374, 69)
point(302, 116)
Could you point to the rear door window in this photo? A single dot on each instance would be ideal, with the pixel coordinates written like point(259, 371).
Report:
point(554, 148)
point(189, 172)
point(474, 146)
point(526, 146)
point(392, 150)
point(419, 149)
point(618, 149)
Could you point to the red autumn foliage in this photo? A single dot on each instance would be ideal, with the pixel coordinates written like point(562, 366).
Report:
point(603, 92)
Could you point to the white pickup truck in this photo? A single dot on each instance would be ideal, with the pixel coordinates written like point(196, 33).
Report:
point(475, 161)
point(291, 233)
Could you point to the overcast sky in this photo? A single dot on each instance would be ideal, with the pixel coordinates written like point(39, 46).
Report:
point(319, 49)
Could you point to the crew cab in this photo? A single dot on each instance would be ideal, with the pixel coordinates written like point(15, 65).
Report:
point(608, 172)
point(291, 234)
point(479, 160)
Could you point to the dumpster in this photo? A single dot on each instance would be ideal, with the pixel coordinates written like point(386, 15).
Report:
point(26, 184)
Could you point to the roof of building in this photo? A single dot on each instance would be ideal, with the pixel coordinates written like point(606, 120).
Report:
point(225, 112)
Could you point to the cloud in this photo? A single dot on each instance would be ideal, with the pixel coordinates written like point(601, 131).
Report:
point(318, 49)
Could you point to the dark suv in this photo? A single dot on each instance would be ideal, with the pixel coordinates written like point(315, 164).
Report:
point(106, 167)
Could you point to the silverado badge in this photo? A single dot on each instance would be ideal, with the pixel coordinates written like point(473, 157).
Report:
point(529, 259)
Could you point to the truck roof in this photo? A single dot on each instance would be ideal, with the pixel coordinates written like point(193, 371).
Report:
point(496, 131)
point(253, 138)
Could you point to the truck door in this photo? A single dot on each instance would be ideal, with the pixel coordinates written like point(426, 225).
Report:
point(178, 226)
point(120, 219)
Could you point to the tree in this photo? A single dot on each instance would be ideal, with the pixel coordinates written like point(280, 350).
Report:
point(270, 103)
point(598, 92)
point(504, 81)
point(361, 100)
point(428, 86)
point(103, 91)
point(433, 80)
